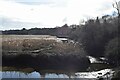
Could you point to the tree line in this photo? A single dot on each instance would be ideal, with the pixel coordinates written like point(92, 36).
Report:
point(99, 37)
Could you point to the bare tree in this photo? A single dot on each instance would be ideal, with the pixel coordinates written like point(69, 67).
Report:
point(116, 5)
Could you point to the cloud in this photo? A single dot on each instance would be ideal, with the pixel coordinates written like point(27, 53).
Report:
point(51, 13)
point(8, 23)
point(50, 3)
point(35, 2)
point(20, 13)
point(29, 13)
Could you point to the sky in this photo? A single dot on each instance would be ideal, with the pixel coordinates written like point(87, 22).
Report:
point(18, 14)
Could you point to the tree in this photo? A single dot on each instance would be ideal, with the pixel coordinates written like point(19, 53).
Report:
point(113, 51)
point(116, 5)
point(23, 28)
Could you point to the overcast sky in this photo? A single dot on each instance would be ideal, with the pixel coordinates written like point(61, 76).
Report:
point(18, 14)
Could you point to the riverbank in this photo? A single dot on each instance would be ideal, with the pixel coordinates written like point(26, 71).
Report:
point(43, 52)
point(46, 53)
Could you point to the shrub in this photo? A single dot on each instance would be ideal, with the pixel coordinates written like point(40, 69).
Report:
point(113, 51)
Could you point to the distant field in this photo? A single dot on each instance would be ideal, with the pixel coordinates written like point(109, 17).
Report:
point(26, 42)
point(37, 43)
point(20, 37)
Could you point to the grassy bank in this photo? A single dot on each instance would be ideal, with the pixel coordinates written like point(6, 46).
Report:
point(42, 53)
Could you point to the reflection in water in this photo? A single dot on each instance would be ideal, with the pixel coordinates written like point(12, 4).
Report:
point(0, 75)
point(10, 72)
point(14, 74)
point(80, 75)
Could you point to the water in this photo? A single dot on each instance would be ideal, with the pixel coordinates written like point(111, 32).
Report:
point(15, 74)
point(57, 74)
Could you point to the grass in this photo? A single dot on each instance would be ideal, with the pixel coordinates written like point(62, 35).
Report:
point(42, 52)
point(39, 46)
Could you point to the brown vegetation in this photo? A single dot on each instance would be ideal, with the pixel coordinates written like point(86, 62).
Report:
point(43, 53)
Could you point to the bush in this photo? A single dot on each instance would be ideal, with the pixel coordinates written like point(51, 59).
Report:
point(113, 51)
